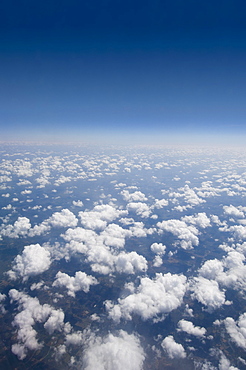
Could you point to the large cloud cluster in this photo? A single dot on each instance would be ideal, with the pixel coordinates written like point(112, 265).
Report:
point(153, 297)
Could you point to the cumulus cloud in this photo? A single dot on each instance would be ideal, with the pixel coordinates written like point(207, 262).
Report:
point(100, 216)
point(208, 293)
point(33, 261)
point(113, 352)
point(173, 349)
point(200, 219)
point(151, 298)
point(187, 234)
point(140, 208)
point(31, 311)
point(81, 281)
point(188, 327)
point(158, 248)
point(233, 211)
point(230, 272)
point(137, 196)
point(20, 227)
point(237, 330)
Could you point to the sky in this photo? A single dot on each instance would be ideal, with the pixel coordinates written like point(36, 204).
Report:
point(123, 71)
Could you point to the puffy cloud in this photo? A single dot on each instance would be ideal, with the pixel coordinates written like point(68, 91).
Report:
point(141, 209)
point(65, 218)
point(33, 261)
point(31, 311)
point(100, 216)
point(158, 248)
point(81, 281)
point(129, 263)
point(224, 363)
point(114, 236)
point(208, 293)
point(113, 352)
point(188, 327)
point(237, 330)
point(55, 321)
point(137, 196)
point(20, 227)
point(229, 272)
point(78, 203)
point(233, 211)
point(173, 349)
point(151, 298)
point(200, 220)
point(187, 234)
point(157, 262)
point(160, 203)
point(2, 298)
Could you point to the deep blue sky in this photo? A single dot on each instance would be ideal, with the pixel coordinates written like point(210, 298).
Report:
point(151, 70)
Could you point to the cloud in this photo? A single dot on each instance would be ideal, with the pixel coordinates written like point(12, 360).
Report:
point(137, 196)
point(174, 350)
point(208, 293)
point(233, 211)
point(151, 298)
point(237, 330)
point(141, 209)
point(100, 216)
point(31, 311)
point(200, 219)
point(113, 352)
point(230, 272)
point(33, 261)
point(81, 281)
point(65, 218)
point(187, 234)
point(2, 298)
point(158, 248)
point(20, 227)
point(188, 327)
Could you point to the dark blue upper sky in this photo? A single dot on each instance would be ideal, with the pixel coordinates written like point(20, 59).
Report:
point(81, 69)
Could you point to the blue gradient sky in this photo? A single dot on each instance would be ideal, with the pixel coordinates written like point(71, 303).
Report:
point(150, 71)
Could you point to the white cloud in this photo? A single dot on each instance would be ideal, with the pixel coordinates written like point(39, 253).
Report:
point(160, 203)
point(20, 227)
point(65, 218)
point(187, 234)
point(208, 293)
point(151, 298)
point(200, 220)
point(188, 327)
point(78, 203)
point(157, 262)
point(233, 211)
point(137, 196)
point(141, 209)
point(158, 248)
point(33, 261)
point(173, 349)
point(113, 352)
point(31, 311)
point(100, 216)
point(237, 330)
point(81, 281)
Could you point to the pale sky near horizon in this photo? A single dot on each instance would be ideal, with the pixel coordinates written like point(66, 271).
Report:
point(131, 71)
